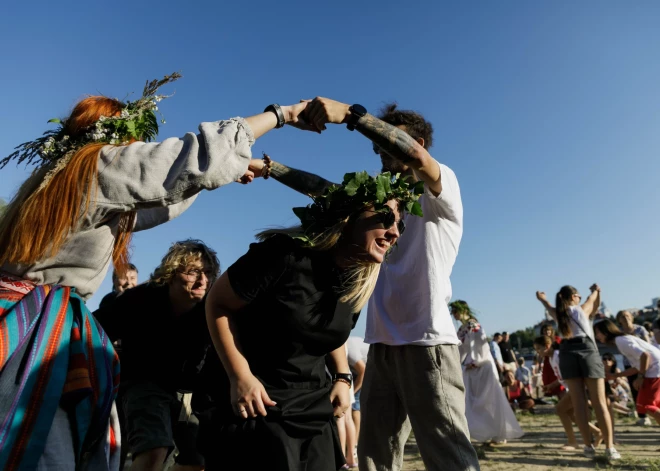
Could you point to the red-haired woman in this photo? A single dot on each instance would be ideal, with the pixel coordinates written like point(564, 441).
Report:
point(580, 363)
point(94, 186)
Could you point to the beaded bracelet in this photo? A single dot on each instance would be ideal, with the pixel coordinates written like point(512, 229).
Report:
point(342, 380)
point(267, 165)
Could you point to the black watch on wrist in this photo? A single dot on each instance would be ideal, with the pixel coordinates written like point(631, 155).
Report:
point(345, 376)
point(357, 111)
point(275, 108)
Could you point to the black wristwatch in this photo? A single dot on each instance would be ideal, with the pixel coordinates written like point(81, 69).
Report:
point(345, 376)
point(357, 111)
point(275, 108)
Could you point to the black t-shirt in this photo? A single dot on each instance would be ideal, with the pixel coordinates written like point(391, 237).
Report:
point(156, 345)
point(507, 353)
point(293, 320)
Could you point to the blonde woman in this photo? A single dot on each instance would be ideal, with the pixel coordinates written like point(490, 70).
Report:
point(279, 311)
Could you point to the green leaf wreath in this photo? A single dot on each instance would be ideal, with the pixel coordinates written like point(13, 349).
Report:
point(137, 120)
point(358, 191)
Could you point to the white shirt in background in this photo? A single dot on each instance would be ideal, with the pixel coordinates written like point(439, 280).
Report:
point(633, 347)
point(409, 304)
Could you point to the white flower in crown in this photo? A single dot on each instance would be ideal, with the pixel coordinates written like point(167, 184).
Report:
point(124, 114)
point(114, 135)
point(49, 143)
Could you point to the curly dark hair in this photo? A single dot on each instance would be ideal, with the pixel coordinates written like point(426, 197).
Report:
point(414, 122)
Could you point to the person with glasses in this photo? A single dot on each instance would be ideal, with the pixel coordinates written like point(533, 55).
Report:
point(164, 337)
point(580, 363)
point(282, 312)
point(414, 380)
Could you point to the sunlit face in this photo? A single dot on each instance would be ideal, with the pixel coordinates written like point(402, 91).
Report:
point(575, 299)
point(626, 321)
point(192, 282)
point(371, 237)
point(126, 281)
point(509, 377)
point(547, 331)
point(541, 350)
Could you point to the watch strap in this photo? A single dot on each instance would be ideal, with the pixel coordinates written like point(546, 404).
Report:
point(357, 111)
point(277, 109)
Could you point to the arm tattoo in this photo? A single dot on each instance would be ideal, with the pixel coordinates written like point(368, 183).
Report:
point(303, 182)
point(391, 139)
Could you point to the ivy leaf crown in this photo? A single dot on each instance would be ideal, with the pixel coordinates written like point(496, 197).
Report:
point(358, 190)
point(137, 120)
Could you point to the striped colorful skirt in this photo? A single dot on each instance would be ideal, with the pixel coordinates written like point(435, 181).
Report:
point(54, 358)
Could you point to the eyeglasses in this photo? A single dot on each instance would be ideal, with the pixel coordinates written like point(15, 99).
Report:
point(388, 219)
point(195, 274)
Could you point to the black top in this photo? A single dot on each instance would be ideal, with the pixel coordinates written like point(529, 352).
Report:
point(108, 299)
point(156, 345)
point(293, 320)
point(507, 353)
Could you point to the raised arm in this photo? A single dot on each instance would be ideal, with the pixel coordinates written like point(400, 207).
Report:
point(391, 140)
point(540, 295)
point(591, 305)
point(299, 180)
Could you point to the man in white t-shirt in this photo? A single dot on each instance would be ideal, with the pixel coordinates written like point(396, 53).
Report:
point(357, 361)
point(414, 380)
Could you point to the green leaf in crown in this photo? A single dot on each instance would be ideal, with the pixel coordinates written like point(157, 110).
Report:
point(358, 190)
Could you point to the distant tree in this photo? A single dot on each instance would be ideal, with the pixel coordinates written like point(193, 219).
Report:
point(523, 338)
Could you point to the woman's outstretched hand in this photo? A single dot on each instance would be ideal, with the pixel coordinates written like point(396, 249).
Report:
point(254, 170)
point(249, 397)
point(540, 295)
point(340, 397)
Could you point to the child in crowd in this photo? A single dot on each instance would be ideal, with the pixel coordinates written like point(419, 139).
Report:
point(524, 375)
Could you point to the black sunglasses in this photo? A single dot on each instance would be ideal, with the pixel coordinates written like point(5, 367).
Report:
point(387, 219)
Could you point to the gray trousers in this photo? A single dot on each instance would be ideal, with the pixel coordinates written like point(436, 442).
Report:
point(420, 388)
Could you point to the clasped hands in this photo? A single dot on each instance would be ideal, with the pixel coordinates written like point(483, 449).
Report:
point(308, 115)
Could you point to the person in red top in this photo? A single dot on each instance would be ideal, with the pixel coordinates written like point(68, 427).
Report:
point(547, 374)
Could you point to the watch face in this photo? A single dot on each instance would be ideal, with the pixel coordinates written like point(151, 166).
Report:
point(358, 110)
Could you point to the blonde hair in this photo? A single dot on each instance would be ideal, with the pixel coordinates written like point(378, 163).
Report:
point(361, 277)
point(180, 255)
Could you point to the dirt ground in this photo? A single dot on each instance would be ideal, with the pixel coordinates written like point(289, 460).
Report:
point(538, 449)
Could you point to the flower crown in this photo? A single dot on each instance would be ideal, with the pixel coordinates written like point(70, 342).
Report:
point(359, 190)
point(55, 148)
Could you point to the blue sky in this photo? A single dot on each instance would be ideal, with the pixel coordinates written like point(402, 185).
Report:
point(549, 112)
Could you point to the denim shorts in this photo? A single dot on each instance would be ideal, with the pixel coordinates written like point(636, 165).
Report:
point(356, 404)
point(579, 358)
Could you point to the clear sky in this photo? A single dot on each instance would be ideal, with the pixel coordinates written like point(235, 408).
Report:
point(549, 112)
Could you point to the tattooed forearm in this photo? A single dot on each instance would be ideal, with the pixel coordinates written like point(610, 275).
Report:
point(303, 182)
point(391, 139)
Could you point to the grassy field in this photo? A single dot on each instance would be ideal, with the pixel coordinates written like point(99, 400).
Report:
point(539, 449)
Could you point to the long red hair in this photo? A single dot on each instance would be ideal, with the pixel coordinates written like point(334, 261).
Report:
point(38, 222)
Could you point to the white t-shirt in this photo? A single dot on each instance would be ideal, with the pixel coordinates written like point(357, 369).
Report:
point(581, 325)
point(632, 348)
point(409, 304)
point(357, 350)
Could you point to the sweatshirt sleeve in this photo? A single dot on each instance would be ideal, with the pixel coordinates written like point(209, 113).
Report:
point(151, 175)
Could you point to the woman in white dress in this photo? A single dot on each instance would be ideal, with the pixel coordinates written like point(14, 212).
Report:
point(487, 409)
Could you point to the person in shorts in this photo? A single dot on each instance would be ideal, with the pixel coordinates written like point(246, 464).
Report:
point(580, 363)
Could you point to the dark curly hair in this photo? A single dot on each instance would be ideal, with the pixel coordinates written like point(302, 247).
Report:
point(416, 125)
